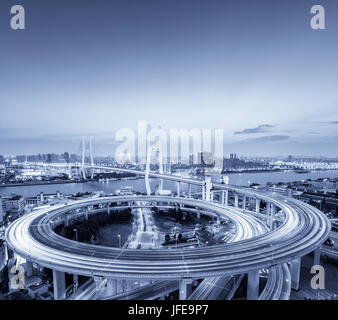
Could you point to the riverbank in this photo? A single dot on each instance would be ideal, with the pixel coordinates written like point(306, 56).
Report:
point(252, 171)
point(238, 179)
point(41, 183)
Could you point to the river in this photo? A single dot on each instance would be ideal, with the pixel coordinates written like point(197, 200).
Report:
point(240, 179)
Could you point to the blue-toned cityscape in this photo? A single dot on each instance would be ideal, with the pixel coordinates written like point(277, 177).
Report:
point(163, 150)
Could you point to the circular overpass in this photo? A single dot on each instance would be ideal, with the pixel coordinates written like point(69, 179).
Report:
point(302, 230)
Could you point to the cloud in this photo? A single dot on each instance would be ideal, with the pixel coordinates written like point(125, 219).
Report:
point(261, 128)
point(274, 138)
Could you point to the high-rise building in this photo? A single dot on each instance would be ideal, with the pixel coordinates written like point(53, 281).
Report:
point(66, 157)
point(13, 204)
point(73, 158)
point(191, 159)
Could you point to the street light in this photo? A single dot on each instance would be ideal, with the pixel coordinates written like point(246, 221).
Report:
point(76, 238)
point(119, 236)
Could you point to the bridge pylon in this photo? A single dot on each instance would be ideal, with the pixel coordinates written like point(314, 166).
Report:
point(153, 149)
point(87, 153)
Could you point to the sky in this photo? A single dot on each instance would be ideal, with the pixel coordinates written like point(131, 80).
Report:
point(254, 68)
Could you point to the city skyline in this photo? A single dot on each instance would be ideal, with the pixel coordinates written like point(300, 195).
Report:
point(256, 70)
point(162, 151)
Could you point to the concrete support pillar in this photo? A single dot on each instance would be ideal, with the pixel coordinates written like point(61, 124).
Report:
point(208, 186)
point(119, 286)
point(59, 284)
point(252, 291)
point(98, 284)
point(221, 197)
point(185, 289)
point(226, 199)
point(178, 185)
point(271, 218)
point(198, 213)
point(181, 206)
point(211, 196)
point(236, 200)
point(189, 190)
point(75, 281)
point(111, 287)
point(203, 192)
point(129, 285)
point(316, 257)
point(124, 285)
point(258, 205)
point(67, 221)
point(29, 268)
point(290, 193)
point(108, 208)
point(295, 273)
point(218, 219)
point(244, 202)
point(271, 211)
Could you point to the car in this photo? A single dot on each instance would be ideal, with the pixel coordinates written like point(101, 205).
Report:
point(329, 242)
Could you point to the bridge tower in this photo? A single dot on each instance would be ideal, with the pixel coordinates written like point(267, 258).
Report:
point(154, 149)
point(87, 152)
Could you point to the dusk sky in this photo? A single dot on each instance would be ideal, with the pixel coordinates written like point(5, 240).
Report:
point(254, 68)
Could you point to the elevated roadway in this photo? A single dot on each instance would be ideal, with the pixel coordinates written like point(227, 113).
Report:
point(302, 230)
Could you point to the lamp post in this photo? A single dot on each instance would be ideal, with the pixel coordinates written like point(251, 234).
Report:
point(75, 276)
point(119, 236)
